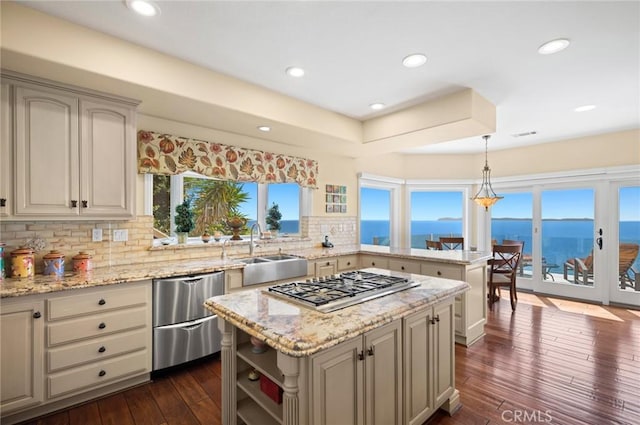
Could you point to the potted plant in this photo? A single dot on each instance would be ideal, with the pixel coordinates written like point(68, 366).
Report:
point(184, 221)
point(273, 219)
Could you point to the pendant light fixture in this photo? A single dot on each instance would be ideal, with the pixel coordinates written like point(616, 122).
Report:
point(486, 196)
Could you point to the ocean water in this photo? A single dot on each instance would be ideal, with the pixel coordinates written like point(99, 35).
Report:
point(561, 239)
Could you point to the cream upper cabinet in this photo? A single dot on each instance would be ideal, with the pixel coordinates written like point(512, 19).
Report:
point(47, 149)
point(75, 153)
point(21, 354)
point(6, 157)
point(107, 162)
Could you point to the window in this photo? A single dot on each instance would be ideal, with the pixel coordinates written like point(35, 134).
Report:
point(375, 216)
point(511, 219)
point(212, 199)
point(435, 214)
point(287, 197)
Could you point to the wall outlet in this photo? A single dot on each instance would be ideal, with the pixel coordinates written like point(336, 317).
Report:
point(121, 235)
point(96, 235)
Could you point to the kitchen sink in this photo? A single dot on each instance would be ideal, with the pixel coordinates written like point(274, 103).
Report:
point(270, 268)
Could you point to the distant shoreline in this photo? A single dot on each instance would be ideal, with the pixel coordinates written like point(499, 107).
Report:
point(515, 219)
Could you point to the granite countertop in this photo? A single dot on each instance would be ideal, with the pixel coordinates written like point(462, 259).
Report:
point(300, 331)
point(40, 284)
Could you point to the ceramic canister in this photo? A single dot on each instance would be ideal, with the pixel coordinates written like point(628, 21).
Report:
point(54, 263)
point(22, 262)
point(2, 245)
point(82, 262)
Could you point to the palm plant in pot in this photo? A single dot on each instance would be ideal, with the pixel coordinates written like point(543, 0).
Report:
point(184, 221)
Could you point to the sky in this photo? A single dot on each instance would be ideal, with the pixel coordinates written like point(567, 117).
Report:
point(286, 195)
point(567, 203)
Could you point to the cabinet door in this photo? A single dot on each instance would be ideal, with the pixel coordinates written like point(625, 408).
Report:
point(337, 385)
point(6, 158)
point(418, 383)
point(443, 355)
point(21, 354)
point(107, 163)
point(383, 375)
point(46, 145)
point(347, 262)
point(326, 267)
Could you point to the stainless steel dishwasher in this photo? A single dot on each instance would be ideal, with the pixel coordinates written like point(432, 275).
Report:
point(183, 329)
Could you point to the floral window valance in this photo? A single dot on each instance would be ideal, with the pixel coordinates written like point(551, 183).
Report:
point(168, 155)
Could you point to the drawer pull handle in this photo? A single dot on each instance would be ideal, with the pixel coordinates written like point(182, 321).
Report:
point(435, 320)
point(102, 301)
point(360, 355)
point(74, 203)
point(3, 202)
point(348, 263)
point(102, 325)
point(373, 263)
point(370, 351)
point(102, 349)
point(402, 268)
point(328, 263)
point(37, 315)
point(84, 204)
point(439, 273)
point(102, 373)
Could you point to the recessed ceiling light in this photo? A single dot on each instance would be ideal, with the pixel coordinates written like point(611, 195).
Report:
point(143, 7)
point(585, 108)
point(264, 128)
point(553, 46)
point(376, 106)
point(414, 60)
point(294, 71)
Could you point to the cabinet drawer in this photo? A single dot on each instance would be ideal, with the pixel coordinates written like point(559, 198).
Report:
point(77, 305)
point(371, 261)
point(404, 266)
point(96, 325)
point(95, 350)
point(348, 262)
point(442, 270)
point(98, 374)
point(326, 267)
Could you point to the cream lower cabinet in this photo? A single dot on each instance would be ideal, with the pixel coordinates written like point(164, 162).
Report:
point(470, 307)
point(75, 152)
point(359, 381)
point(86, 343)
point(429, 361)
point(21, 354)
point(322, 267)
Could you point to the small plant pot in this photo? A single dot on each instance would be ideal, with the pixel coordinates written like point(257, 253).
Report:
point(205, 237)
point(183, 237)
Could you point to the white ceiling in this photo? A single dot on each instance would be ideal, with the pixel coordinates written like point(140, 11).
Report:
point(352, 53)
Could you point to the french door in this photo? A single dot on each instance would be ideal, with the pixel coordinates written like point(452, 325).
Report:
point(624, 287)
point(569, 240)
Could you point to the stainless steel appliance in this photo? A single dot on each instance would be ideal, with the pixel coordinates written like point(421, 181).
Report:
point(342, 290)
point(183, 329)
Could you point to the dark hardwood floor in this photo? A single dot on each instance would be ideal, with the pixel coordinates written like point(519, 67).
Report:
point(552, 361)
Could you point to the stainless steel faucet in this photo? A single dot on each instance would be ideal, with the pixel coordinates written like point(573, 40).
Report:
point(224, 253)
point(251, 245)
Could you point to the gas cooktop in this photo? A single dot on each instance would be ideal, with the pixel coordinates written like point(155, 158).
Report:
point(332, 293)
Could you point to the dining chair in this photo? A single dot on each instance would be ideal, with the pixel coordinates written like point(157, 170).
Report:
point(503, 271)
point(452, 243)
point(434, 245)
point(526, 259)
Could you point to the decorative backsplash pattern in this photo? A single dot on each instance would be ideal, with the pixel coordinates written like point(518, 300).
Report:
point(72, 237)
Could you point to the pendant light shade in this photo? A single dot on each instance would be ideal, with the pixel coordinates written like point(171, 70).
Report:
point(486, 197)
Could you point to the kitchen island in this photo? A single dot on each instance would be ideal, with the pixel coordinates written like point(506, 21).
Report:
point(387, 360)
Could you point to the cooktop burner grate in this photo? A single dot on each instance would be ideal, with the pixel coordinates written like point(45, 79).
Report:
point(338, 291)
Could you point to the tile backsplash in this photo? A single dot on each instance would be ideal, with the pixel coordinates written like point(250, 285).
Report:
point(71, 237)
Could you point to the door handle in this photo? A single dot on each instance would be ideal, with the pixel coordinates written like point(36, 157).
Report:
point(599, 242)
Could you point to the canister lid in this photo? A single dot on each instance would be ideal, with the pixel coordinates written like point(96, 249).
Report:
point(53, 254)
point(23, 250)
point(82, 255)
